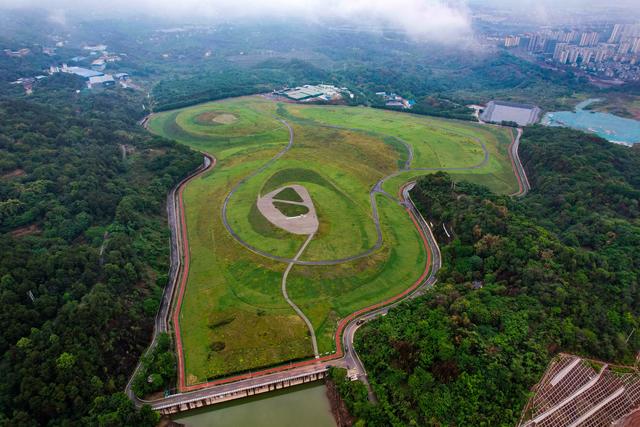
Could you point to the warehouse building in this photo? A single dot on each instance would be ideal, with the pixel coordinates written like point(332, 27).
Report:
point(79, 71)
point(502, 111)
point(101, 81)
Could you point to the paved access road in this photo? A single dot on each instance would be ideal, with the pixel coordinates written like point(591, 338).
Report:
point(161, 322)
point(521, 175)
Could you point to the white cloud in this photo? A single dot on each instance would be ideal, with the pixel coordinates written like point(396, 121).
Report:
point(440, 20)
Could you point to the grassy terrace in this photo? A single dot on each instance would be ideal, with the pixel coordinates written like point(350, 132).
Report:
point(234, 317)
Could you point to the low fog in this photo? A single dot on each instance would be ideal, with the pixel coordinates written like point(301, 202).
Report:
point(444, 21)
point(434, 20)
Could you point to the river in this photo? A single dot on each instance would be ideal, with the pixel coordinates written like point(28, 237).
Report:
point(608, 126)
point(306, 405)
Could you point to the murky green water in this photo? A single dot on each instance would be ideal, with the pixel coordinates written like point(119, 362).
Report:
point(305, 405)
point(608, 126)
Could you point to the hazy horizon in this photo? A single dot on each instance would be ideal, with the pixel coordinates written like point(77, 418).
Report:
point(424, 20)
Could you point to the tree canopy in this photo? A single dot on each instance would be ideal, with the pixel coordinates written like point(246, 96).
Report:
point(84, 253)
point(522, 279)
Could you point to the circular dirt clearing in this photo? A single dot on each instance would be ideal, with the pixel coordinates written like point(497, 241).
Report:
point(215, 118)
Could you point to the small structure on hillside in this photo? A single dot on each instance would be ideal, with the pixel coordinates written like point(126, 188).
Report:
point(396, 101)
point(510, 112)
point(20, 53)
point(312, 93)
point(101, 81)
point(85, 73)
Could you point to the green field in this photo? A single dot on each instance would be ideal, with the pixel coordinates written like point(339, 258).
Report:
point(234, 317)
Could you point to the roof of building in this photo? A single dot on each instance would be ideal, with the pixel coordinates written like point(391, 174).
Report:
point(503, 111)
point(302, 93)
point(107, 78)
point(84, 72)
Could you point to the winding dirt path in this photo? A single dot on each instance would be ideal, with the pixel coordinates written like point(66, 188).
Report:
point(312, 332)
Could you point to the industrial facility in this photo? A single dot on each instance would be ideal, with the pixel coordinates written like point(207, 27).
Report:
point(314, 93)
point(510, 112)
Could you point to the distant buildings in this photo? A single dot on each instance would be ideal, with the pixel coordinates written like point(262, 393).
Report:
point(311, 93)
point(512, 41)
point(17, 53)
point(98, 64)
point(396, 101)
point(79, 71)
point(618, 57)
point(94, 78)
point(502, 111)
point(96, 48)
point(28, 82)
point(101, 81)
point(617, 29)
point(589, 39)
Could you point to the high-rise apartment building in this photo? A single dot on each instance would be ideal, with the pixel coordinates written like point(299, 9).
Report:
point(589, 39)
point(615, 33)
point(559, 50)
point(623, 48)
point(512, 41)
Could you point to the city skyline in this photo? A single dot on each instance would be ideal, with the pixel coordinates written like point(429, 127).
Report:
point(611, 52)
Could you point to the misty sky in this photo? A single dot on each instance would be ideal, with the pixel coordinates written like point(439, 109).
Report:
point(436, 20)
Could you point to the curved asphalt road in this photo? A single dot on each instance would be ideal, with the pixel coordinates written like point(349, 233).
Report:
point(161, 323)
point(521, 175)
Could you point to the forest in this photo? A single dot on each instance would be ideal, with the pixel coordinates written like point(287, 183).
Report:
point(260, 58)
point(522, 280)
point(84, 252)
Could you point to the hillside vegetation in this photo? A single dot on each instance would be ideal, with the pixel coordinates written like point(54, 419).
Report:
point(84, 255)
point(558, 271)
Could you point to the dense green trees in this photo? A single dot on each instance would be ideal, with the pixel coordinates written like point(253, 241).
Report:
point(234, 81)
point(158, 369)
point(84, 253)
point(521, 280)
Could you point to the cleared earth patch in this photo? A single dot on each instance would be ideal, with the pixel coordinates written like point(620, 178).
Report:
point(215, 118)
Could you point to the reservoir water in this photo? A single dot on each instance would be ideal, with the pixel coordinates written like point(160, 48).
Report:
point(305, 405)
point(608, 126)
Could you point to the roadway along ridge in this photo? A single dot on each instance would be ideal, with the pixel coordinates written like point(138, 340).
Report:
point(518, 169)
point(161, 322)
